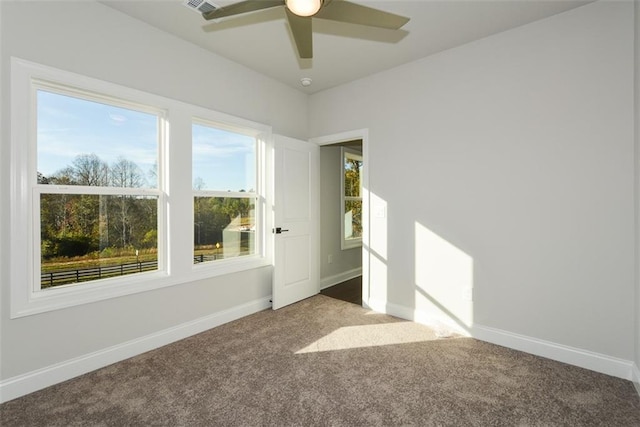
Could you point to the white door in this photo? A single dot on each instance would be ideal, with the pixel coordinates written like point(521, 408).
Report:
point(296, 225)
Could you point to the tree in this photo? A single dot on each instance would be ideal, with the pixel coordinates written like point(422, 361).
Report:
point(125, 173)
point(70, 222)
point(353, 198)
point(88, 169)
point(77, 224)
point(63, 177)
point(198, 184)
point(42, 179)
point(352, 169)
point(153, 174)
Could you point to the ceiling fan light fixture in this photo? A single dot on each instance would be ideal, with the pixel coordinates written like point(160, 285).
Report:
point(304, 7)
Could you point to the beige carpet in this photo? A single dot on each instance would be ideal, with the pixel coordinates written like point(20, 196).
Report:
point(326, 362)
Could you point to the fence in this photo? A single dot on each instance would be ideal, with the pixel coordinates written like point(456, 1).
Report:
point(64, 277)
point(204, 258)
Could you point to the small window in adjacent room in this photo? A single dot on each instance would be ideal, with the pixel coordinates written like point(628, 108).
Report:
point(351, 198)
point(225, 197)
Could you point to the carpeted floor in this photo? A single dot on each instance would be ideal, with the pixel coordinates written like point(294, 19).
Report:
point(330, 363)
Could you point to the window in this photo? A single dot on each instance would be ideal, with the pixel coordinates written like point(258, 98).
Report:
point(102, 179)
point(225, 198)
point(96, 189)
point(351, 198)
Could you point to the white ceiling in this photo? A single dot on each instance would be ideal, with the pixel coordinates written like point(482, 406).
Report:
point(342, 52)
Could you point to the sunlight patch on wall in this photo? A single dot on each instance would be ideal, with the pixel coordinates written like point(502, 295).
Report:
point(360, 336)
point(378, 221)
point(444, 279)
point(376, 246)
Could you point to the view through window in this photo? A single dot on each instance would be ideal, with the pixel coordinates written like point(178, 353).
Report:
point(224, 186)
point(351, 198)
point(109, 199)
point(97, 187)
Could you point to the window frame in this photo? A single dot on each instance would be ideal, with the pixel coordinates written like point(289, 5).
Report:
point(174, 162)
point(260, 206)
point(40, 189)
point(345, 243)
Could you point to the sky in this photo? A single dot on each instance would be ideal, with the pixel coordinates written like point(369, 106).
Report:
point(68, 127)
point(222, 160)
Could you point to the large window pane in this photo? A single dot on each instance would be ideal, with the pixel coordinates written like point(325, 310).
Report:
point(86, 237)
point(224, 189)
point(83, 142)
point(224, 227)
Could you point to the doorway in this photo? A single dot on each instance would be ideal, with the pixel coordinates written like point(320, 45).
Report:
point(342, 217)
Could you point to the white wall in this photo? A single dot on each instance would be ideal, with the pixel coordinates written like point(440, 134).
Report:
point(96, 41)
point(344, 261)
point(507, 164)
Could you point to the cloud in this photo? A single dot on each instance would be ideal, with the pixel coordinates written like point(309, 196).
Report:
point(117, 119)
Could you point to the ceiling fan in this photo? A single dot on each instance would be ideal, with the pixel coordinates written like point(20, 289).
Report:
point(300, 12)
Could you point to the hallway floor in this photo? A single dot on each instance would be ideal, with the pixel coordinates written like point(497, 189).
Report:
point(350, 291)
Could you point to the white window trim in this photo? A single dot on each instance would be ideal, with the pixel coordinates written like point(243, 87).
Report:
point(260, 206)
point(175, 189)
point(39, 189)
point(346, 244)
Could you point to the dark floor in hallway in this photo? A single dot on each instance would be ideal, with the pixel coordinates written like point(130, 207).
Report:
point(350, 291)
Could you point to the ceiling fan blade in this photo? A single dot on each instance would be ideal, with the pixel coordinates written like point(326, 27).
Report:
point(302, 34)
point(242, 7)
point(352, 13)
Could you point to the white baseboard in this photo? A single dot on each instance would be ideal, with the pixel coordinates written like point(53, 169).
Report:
point(636, 378)
point(326, 282)
point(391, 309)
point(45, 377)
point(418, 316)
point(602, 363)
point(597, 362)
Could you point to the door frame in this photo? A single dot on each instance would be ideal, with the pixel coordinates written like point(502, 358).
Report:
point(362, 134)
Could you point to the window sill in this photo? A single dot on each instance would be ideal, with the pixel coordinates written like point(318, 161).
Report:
point(351, 244)
point(100, 290)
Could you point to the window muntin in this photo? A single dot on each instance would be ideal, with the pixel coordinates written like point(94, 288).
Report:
point(96, 185)
point(224, 170)
point(351, 198)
